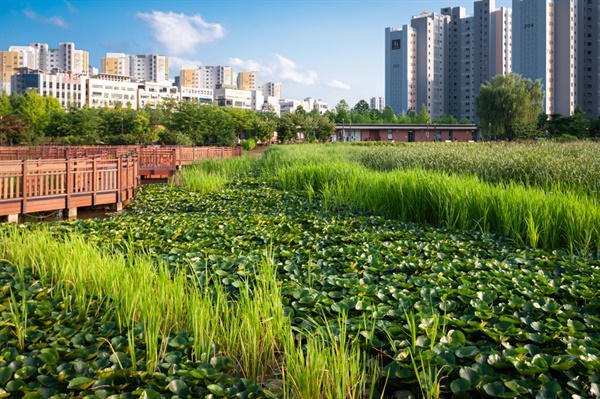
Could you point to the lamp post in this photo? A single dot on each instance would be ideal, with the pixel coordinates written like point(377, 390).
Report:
point(343, 133)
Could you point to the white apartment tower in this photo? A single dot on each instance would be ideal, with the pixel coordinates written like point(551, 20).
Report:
point(482, 41)
point(143, 67)
point(272, 89)
point(460, 63)
point(401, 68)
point(544, 35)
point(149, 67)
point(116, 64)
point(588, 57)
point(377, 103)
point(65, 58)
point(501, 42)
point(208, 77)
point(430, 29)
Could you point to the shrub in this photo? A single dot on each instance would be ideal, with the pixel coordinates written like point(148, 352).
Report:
point(248, 144)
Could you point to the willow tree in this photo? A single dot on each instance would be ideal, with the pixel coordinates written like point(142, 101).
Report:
point(506, 101)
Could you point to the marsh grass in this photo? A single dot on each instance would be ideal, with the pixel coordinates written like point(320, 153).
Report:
point(152, 304)
point(554, 218)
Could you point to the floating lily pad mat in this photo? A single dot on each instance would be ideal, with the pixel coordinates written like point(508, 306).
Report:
point(494, 319)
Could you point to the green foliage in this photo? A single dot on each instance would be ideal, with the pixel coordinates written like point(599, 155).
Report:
point(564, 138)
point(361, 107)
point(248, 144)
point(388, 115)
point(286, 128)
point(447, 119)
point(505, 101)
point(423, 117)
point(264, 126)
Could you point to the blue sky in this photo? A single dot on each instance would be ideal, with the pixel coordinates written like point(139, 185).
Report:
point(327, 49)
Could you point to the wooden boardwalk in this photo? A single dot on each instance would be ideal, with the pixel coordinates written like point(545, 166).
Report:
point(86, 176)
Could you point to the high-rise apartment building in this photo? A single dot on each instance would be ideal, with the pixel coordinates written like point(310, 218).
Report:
point(377, 103)
point(247, 80)
point(272, 89)
point(141, 67)
point(460, 63)
point(500, 56)
point(544, 35)
point(65, 58)
point(588, 57)
point(208, 77)
point(9, 62)
point(116, 64)
point(149, 67)
point(430, 29)
point(401, 68)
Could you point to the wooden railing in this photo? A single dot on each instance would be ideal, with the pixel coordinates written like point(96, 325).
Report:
point(154, 161)
point(44, 185)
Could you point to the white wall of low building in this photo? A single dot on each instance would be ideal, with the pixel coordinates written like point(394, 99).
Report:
point(107, 91)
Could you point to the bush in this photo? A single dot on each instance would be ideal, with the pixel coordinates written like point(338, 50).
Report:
point(248, 144)
point(565, 138)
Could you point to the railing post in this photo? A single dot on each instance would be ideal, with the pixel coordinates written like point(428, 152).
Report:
point(24, 187)
point(174, 160)
point(69, 182)
point(119, 177)
point(94, 182)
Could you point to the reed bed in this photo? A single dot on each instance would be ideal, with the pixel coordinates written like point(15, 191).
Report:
point(552, 218)
point(547, 165)
point(250, 329)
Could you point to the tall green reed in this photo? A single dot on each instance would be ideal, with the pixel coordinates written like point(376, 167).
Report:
point(551, 219)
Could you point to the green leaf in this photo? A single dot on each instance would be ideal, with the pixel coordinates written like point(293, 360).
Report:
point(472, 376)
point(517, 386)
point(216, 390)
point(5, 375)
point(178, 387)
point(150, 394)
point(494, 388)
point(467, 351)
point(549, 390)
point(455, 338)
point(460, 385)
point(80, 383)
point(49, 356)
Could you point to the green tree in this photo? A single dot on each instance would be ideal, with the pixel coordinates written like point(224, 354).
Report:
point(31, 107)
point(286, 128)
point(507, 100)
point(423, 117)
point(6, 107)
point(342, 112)
point(388, 115)
point(216, 128)
point(376, 116)
point(242, 120)
point(325, 128)
point(264, 126)
point(361, 107)
point(579, 125)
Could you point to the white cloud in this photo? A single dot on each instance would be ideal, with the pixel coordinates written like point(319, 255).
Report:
point(180, 33)
point(290, 71)
point(336, 84)
point(70, 7)
point(176, 64)
point(279, 69)
point(57, 21)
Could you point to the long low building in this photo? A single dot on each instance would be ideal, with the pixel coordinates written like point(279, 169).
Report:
point(406, 133)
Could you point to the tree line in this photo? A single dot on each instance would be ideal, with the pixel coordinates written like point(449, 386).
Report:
point(508, 107)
